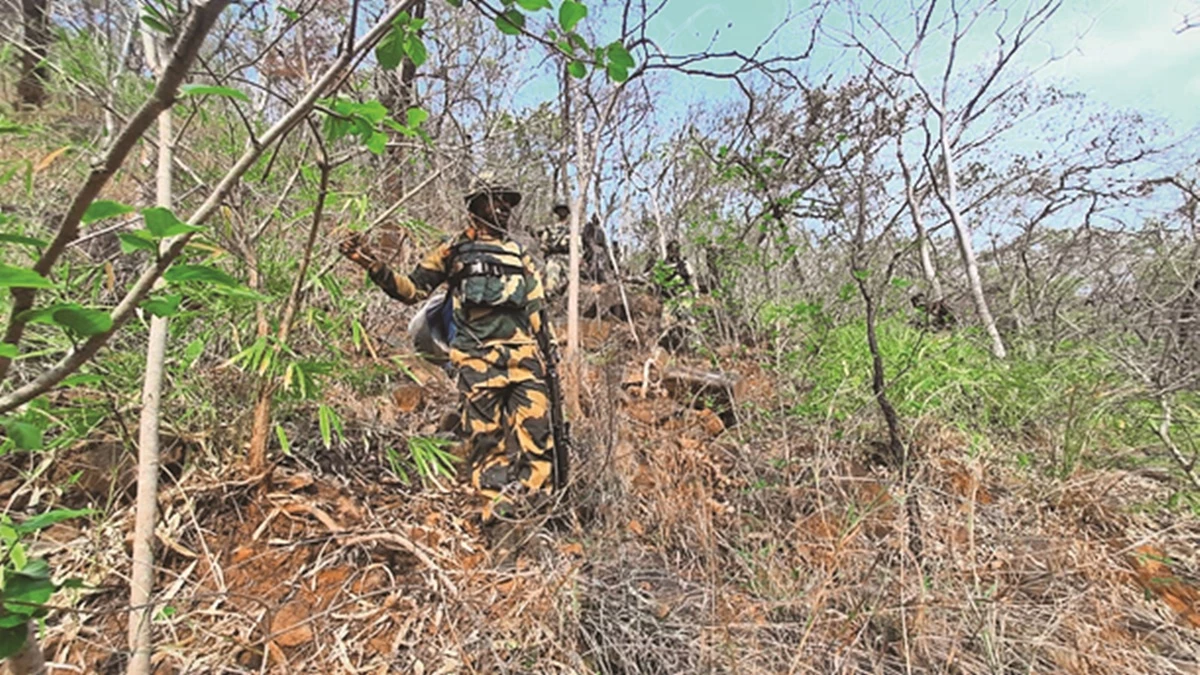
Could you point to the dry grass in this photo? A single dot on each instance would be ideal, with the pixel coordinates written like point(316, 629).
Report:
point(764, 548)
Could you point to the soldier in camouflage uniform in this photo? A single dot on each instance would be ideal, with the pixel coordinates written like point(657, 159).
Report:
point(554, 242)
point(498, 308)
point(673, 280)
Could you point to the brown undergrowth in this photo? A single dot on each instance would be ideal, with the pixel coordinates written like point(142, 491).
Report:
point(697, 541)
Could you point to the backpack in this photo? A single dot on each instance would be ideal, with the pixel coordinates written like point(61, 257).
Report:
point(432, 328)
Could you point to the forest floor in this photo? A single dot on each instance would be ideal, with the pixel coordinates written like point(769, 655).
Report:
point(690, 542)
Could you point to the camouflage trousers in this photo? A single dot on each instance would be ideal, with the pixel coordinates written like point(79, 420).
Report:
point(554, 276)
point(506, 415)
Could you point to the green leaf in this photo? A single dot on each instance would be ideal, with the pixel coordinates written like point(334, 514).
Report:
point(12, 639)
point(578, 43)
point(84, 322)
point(203, 273)
point(162, 223)
point(211, 90)
point(99, 210)
point(193, 351)
point(414, 48)
point(570, 14)
point(37, 568)
point(44, 520)
point(155, 24)
point(22, 277)
point(533, 5)
point(166, 613)
point(862, 275)
point(291, 14)
point(416, 116)
point(166, 306)
point(454, 3)
point(377, 142)
point(324, 413)
point(390, 50)
point(26, 436)
point(617, 72)
point(25, 594)
point(617, 54)
point(373, 111)
point(284, 445)
point(17, 554)
point(8, 351)
point(577, 69)
point(510, 22)
point(137, 241)
point(22, 239)
point(80, 379)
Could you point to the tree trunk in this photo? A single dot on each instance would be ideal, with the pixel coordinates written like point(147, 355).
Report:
point(110, 119)
point(141, 584)
point(29, 660)
point(574, 358)
point(966, 249)
point(398, 97)
point(923, 244)
point(32, 86)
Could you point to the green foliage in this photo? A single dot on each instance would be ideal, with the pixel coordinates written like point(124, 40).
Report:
point(21, 239)
point(510, 22)
point(329, 422)
point(363, 121)
point(570, 13)
point(77, 320)
point(1073, 392)
point(162, 223)
point(102, 208)
point(402, 41)
point(620, 62)
point(212, 90)
point(25, 583)
point(164, 305)
point(21, 277)
point(428, 457)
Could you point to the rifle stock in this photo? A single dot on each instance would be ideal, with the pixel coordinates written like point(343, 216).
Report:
point(559, 424)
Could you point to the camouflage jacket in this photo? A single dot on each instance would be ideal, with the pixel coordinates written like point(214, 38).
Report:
point(554, 239)
point(497, 291)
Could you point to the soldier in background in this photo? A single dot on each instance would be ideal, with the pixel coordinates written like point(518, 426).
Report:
point(595, 252)
point(673, 280)
point(671, 276)
point(554, 242)
point(935, 314)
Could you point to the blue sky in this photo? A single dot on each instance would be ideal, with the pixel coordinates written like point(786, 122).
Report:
point(1121, 52)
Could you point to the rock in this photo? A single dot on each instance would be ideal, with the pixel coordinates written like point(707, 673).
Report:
point(290, 626)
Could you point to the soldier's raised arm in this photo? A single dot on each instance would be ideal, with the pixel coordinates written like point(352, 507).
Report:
point(407, 288)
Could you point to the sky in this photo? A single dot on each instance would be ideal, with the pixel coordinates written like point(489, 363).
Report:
point(1125, 53)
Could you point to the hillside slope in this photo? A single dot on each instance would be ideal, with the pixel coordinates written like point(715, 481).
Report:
point(686, 544)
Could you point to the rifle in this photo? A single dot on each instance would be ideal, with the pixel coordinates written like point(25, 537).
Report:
point(559, 424)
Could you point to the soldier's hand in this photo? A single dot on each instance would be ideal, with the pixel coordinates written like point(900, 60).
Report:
point(356, 251)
